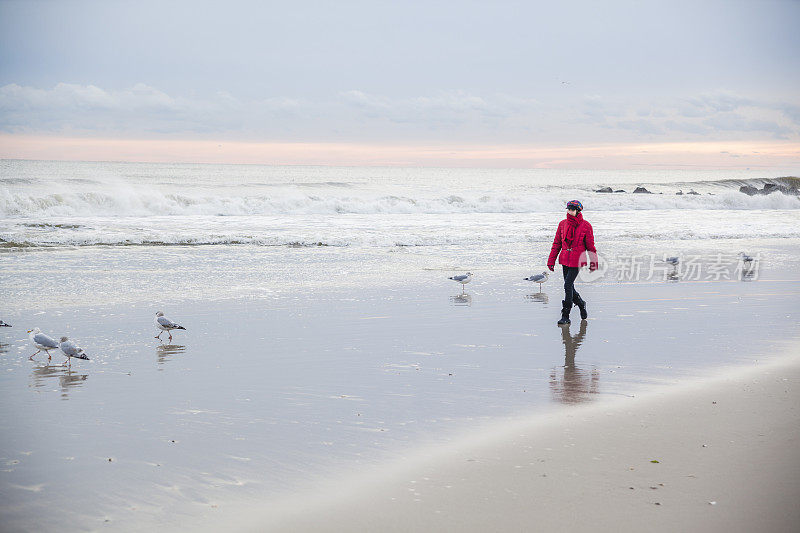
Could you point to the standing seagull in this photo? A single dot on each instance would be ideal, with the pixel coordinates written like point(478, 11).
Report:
point(463, 279)
point(538, 278)
point(165, 324)
point(42, 342)
point(4, 325)
point(70, 350)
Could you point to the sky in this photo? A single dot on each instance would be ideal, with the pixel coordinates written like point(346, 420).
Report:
point(532, 84)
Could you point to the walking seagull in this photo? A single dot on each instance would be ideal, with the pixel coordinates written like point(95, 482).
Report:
point(4, 325)
point(463, 279)
point(672, 261)
point(41, 342)
point(538, 278)
point(69, 349)
point(745, 258)
point(165, 324)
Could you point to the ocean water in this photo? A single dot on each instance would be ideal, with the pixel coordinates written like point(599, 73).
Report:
point(280, 229)
point(80, 204)
point(323, 336)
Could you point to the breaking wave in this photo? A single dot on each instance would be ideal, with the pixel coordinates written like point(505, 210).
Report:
point(142, 202)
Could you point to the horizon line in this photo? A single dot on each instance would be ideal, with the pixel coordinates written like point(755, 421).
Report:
point(728, 155)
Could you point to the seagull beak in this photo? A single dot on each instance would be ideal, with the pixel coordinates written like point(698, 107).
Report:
point(29, 331)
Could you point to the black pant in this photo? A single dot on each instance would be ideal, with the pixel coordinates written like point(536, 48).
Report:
point(570, 294)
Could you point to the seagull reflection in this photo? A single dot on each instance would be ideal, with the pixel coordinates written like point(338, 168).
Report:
point(572, 384)
point(462, 299)
point(67, 379)
point(165, 351)
point(70, 379)
point(747, 270)
point(4, 347)
point(673, 274)
point(540, 297)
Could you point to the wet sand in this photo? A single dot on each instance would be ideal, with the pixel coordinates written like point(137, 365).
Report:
point(280, 396)
point(712, 455)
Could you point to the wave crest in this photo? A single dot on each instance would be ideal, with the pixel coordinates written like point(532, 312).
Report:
point(145, 203)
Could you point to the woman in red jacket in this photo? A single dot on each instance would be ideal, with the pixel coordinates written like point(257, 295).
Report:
point(575, 240)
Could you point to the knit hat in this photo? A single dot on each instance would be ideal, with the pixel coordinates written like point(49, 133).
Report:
point(575, 204)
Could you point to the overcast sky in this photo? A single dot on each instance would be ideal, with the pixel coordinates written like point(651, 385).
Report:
point(521, 73)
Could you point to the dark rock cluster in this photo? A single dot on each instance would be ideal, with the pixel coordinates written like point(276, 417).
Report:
point(769, 188)
point(749, 190)
point(609, 189)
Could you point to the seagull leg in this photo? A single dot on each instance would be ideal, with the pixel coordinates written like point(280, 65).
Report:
point(158, 336)
point(170, 336)
point(49, 357)
point(31, 357)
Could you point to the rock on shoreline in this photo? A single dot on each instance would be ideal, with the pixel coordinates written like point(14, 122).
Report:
point(769, 188)
point(749, 190)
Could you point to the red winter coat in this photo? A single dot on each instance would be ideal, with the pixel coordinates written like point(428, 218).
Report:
point(571, 256)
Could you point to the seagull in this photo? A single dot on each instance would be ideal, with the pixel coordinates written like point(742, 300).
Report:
point(672, 261)
point(538, 278)
point(463, 279)
point(745, 258)
point(70, 350)
point(42, 342)
point(4, 325)
point(165, 324)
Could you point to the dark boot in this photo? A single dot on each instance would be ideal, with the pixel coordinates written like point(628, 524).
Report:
point(565, 308)
point(581, 303)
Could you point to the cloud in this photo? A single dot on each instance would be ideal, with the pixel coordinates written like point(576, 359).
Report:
point(90, 108)
point(701, 117)
point(135, 110)
point(357, 116)
point(442, 108)
point(739, 123)
point(711, 103)
point(649, 127)
point(686, 126)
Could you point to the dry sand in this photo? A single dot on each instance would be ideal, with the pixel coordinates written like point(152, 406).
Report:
point(727, 452)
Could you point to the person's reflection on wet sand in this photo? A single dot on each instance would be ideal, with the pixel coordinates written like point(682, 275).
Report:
point(462, 299)
point(165, 351)
point(67, 379)
point(571, 384)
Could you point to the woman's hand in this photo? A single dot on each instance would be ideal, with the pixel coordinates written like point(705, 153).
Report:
point(552, 268)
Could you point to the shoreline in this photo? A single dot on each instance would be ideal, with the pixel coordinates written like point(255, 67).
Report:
point(727, 457)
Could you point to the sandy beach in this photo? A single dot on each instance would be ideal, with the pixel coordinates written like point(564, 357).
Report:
point(714, 455)
point(418, 406)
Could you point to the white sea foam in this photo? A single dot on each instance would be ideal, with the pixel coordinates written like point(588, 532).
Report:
point(148, 203)
point(55, 204)
point(370, 230)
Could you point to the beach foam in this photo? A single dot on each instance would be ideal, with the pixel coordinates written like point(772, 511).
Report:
point(53, 200)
